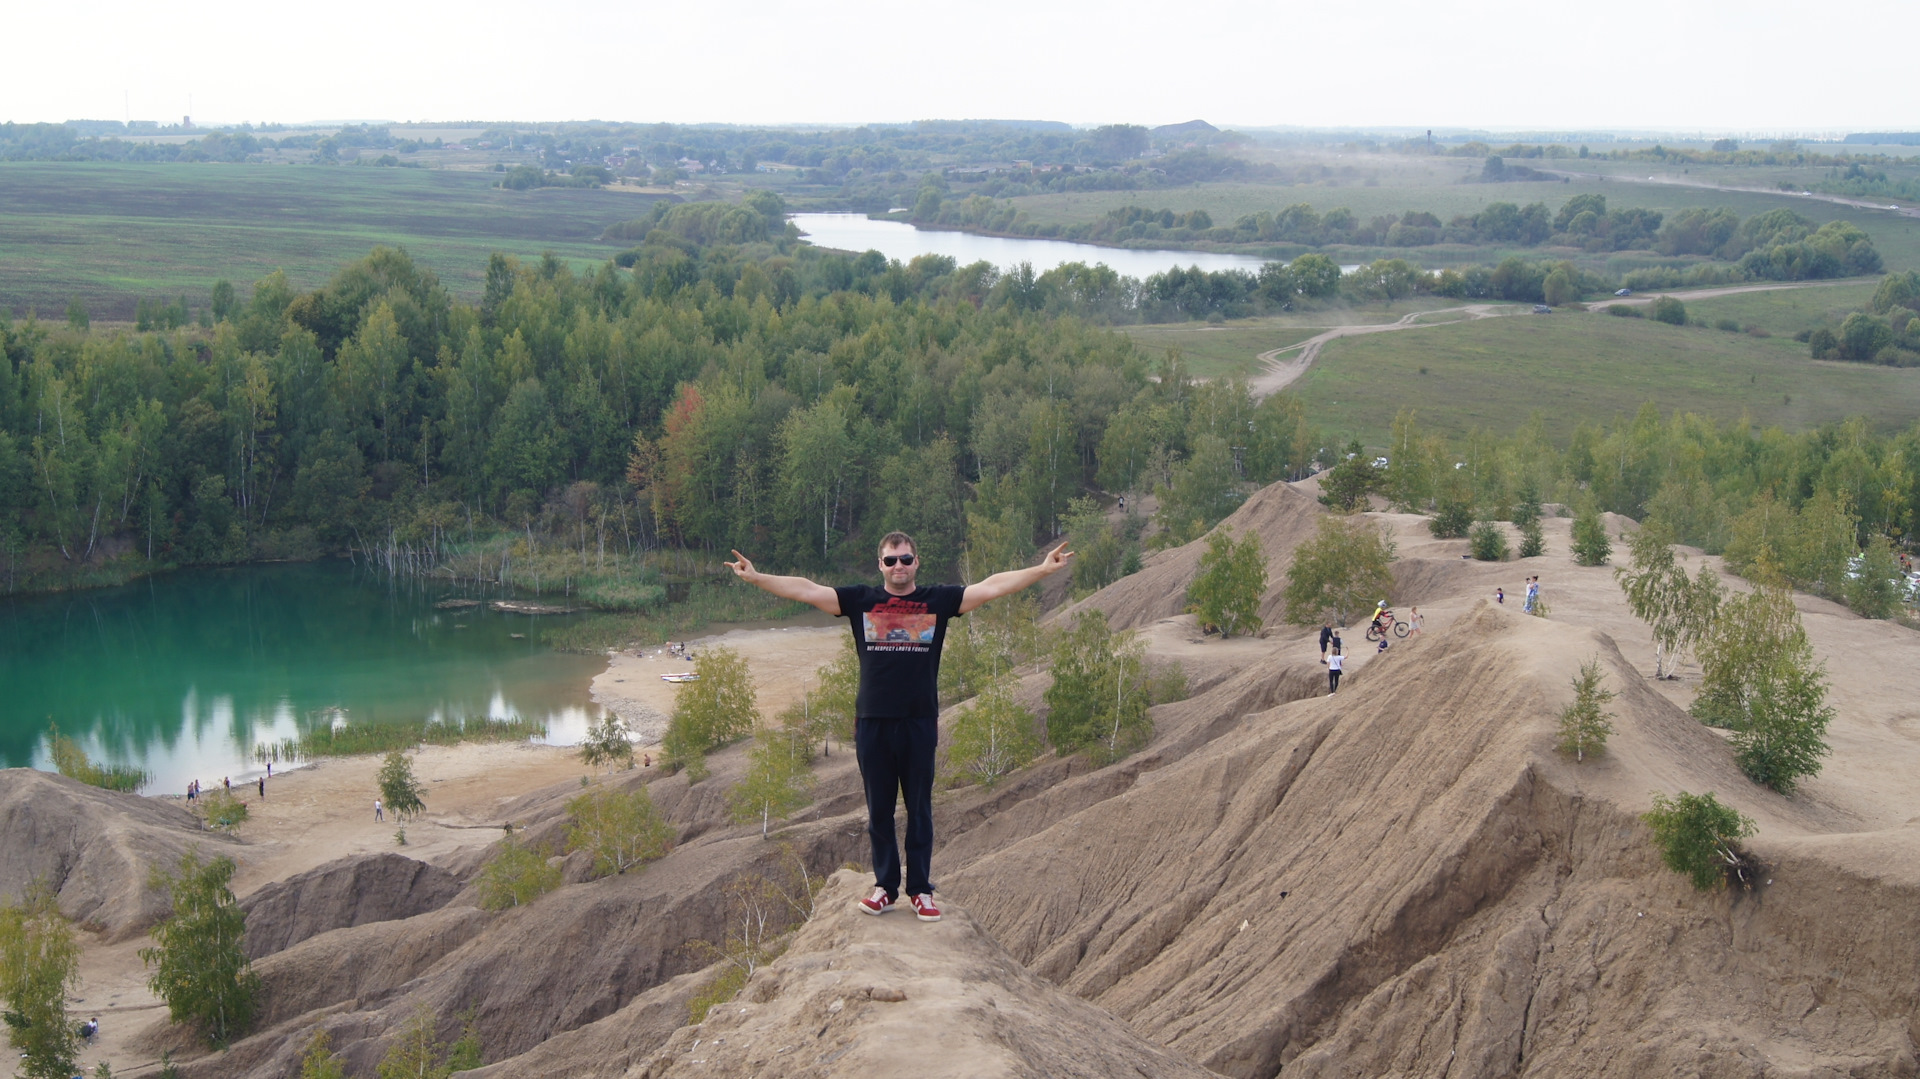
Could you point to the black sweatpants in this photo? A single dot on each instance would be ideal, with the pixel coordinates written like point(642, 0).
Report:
point(1333, 679)
point(896, 760)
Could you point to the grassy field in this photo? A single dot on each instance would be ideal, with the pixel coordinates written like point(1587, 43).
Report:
point(1570, 367)
point(1218, 351)
point(1232, 348)
point(1787, 311)
point(1438, 190)
point(112, 234)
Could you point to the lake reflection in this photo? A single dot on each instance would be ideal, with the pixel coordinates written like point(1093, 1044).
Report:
point(183, 674)
point(898, 240)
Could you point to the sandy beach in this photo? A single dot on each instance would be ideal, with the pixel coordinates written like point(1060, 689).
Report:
point(782, 660)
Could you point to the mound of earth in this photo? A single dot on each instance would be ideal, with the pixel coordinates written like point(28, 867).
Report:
point(1407, 879)
point(348, 891)
point(857, 995)
point(93, 847)
point(1404, 879)
point(568, 960)
point(1282, 515)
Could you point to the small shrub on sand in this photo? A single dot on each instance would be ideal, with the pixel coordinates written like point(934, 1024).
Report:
point(1700, 838)
point(515, 876)
point(1585, 723)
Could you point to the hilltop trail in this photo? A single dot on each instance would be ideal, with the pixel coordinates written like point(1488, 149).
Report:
point(1278, 374)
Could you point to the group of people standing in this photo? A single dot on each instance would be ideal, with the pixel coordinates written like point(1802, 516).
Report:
point(1532, 598)
point(226, 784)
point(1333, 651)
point(1332, 655)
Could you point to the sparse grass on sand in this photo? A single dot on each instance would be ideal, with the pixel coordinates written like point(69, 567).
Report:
point(353, 740)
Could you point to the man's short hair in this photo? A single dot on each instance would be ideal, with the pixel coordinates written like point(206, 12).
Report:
point(897, 539)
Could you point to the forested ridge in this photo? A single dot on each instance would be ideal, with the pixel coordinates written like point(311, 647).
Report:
point(704, 398)
point(790, 402)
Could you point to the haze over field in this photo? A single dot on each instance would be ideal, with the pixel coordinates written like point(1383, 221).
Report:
point(1505, 64)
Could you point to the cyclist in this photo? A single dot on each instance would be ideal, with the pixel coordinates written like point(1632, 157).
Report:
point(1382, 617)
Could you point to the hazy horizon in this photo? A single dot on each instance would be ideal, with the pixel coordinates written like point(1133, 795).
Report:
point(1501, 67)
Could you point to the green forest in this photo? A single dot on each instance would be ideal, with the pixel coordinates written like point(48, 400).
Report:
point(720, 387)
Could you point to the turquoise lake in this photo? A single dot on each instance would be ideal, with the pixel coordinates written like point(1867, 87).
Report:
point(184, 673)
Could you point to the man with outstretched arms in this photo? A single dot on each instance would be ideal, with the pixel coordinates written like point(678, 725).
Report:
point(898, 629)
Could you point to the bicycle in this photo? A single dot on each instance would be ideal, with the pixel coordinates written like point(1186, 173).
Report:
point(1398, 627)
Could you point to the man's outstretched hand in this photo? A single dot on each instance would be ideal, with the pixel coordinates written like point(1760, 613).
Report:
point(818, 596)
point(1055, 561)
point(742, 569)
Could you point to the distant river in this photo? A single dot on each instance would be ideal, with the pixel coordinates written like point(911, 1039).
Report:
point(898, 240)
point(184, 673)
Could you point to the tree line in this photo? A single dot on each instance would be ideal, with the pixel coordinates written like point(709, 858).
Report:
point(705, 397)
point(1826, 510)
point(1886, 332)
point(1778, 245)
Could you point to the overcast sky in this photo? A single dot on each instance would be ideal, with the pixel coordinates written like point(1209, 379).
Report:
point(1747, 67)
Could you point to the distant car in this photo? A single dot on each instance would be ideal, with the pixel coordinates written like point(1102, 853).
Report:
point(1379, 462)
point(1623, 292)
point(1542, 309)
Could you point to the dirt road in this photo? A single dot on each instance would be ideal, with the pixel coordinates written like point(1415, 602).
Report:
point(1674, 181)
point(1278, 373)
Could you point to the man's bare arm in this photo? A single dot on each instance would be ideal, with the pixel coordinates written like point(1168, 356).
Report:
point(800, 588)
point(1010, 581)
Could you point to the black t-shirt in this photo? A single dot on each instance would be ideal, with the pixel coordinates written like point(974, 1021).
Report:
point(899, 639)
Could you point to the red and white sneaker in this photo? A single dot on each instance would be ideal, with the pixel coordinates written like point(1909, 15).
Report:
point(924, 908)
point(878, 902)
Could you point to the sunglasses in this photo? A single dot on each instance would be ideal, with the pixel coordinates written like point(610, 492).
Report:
point(892, 559)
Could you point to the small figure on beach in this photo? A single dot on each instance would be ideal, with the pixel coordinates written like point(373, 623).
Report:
point(1414, 620)
point(1500, 596)
point(378, 815)
point(1326, 638)
point(646, 760)
point(1335, 661)
point(263, 787)
point(227, 782)
point(193, 789)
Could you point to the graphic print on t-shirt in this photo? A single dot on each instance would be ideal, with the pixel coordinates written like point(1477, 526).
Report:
point(899, 625)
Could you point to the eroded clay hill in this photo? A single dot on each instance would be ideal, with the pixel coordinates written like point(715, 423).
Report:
point(1282, 515)
point(93, 848)
point(856, 995)
point(1404, 879)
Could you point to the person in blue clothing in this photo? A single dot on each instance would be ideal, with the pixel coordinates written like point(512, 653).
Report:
point(898, 628)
